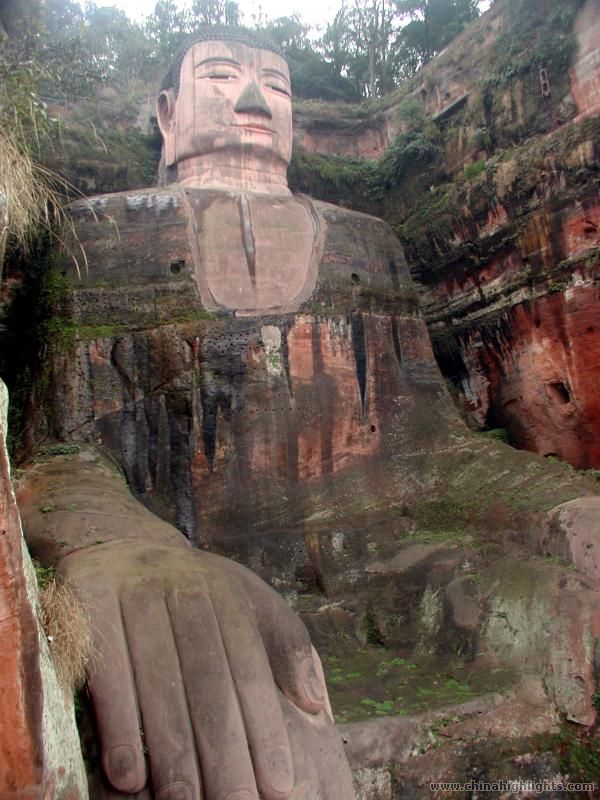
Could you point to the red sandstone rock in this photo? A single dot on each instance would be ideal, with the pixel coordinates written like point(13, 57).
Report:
point(540, 375)
point(21, 749)
point(40, 757)
point(573, 533)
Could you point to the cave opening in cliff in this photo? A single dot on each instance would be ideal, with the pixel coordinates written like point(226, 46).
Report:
point(559, 393)
point(447, 351)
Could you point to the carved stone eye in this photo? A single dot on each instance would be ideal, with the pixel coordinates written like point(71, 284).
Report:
point(278, 89)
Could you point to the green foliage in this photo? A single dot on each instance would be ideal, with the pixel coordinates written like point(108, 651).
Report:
point(579, 754)
point(216, 12)
point(312, 76)
point(411, 114)
point(433, 24)
point(379, 45)
point(28, 322)
point(370, 629)
point(381, 708)
point(335, 179)
point(409, 152)
point(363, 184)
point(60, 450)
point(530, 45)
point(474, 169)
point(36, 60)
point(44, 575)
point(430, 224)
point(385, 667)
point(365, 50)
point(498, 435)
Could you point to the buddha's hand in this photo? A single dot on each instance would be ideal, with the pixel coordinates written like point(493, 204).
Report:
point(204, 669)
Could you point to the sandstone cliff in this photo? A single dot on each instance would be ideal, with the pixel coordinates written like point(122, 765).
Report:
point(488, 172)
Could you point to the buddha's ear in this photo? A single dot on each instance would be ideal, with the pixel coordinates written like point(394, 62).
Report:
point(165, 114)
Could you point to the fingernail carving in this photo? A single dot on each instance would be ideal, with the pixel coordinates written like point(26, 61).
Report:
point(180, 790)
point(312, 683)
point(123, 768)
point(280, 770)
point(242, 795)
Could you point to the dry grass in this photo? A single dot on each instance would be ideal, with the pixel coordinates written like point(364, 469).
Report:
point(31, 197)
point(66, 622)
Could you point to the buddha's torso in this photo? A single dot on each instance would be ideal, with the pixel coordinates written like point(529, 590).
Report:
point(245, 358)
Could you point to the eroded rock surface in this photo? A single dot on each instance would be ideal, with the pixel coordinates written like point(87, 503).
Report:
point(500, 218)
point(40, 755)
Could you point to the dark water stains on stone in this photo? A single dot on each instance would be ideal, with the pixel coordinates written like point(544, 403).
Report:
point(396, 341)
point(394, 274)
point(327, 401)
point(359, 345)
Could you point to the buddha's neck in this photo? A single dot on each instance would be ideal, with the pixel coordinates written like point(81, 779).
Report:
point(252, 175)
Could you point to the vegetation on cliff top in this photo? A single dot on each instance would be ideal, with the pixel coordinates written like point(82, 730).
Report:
point(438, 176)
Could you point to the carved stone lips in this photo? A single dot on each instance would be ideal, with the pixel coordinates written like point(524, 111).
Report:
point(254, 126)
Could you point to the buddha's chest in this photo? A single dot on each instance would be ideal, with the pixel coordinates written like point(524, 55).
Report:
point(254, 253)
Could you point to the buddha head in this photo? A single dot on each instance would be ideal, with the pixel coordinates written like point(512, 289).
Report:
point(225, 113)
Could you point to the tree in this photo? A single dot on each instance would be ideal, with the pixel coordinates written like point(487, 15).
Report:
point(215, 12)
point(360, 36)
point(433, 24)
point(32, 60)
point(61, 17)
point(37, 61)
point(166, 28)
point(312, 76)
point(117, 44)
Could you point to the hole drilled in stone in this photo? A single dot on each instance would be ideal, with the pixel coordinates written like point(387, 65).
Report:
point(354, 278)
point(177, 266)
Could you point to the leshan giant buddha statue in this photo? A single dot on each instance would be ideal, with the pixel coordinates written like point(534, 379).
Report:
point(255, 363)
point(197, 662)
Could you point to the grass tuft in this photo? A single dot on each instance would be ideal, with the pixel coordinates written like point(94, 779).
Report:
point(66, 621)
point(33, 197)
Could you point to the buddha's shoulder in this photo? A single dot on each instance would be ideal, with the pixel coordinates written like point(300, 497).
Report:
point(174, 196)
point(339, 214)
point(354, 230)
point(154, 199)
point(129, 217)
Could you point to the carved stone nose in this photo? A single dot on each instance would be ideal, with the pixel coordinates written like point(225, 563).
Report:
point(252, 101)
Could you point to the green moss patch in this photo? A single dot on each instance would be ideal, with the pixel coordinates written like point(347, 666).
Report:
point(370, 682)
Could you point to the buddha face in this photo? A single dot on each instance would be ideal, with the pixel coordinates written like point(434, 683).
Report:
point(234, 100)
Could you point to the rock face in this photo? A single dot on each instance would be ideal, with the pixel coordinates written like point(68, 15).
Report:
point(518, 332)
point(39, 746)
point(571, 534)
point(20, 743)
point(501, 222)
point(536, 375)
